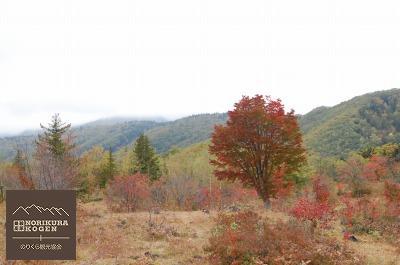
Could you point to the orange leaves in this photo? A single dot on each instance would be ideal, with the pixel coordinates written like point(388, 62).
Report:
point(129, 193)
point(259, 142)
point(375, 168)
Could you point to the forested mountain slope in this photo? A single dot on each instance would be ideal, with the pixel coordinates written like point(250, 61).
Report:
point(184, 132)
point(367, 120)
point(116, 133)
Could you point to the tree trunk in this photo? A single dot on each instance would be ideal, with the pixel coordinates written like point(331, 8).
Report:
point(265, 198)
point(267, 203)
point(1, 192)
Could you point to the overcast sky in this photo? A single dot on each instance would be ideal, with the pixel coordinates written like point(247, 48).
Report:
point(88, 59)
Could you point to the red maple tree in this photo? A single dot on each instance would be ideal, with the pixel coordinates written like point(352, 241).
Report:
point(259, 142)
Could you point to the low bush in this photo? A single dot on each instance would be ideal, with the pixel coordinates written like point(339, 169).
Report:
point(321, 190)
point(244, 238)
point(128, 193)
point(223, 196)
point(318, 213)
point(392, 195)
point(370, 216)
point(359, 215)
point(315, 207)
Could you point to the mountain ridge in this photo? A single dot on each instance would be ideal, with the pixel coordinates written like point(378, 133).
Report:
point(367, 120)
point(164, 135)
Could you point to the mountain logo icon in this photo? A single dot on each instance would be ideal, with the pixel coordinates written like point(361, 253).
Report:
point(39, 209)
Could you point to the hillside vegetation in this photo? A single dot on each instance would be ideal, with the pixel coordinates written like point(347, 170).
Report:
point(184, 132)
point(368, 120)
point(182, 206)
point(119, 133)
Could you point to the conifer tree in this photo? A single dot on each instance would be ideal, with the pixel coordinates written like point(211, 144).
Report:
point(146, 160)
point(52, 137)
point(57, 163)
point(108, 170)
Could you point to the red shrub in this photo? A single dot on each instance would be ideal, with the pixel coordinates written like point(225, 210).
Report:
point(341, 188)
point(316, 212)
point(206, 199)
point(222, 196)
point(234, 238)
point(234, 193)
point(351, 173)
point(243, 238)
point(360, 215)
point(321, 190)
point(392, 195)
point(348, 211)
point(128, 193)
point(375, 168)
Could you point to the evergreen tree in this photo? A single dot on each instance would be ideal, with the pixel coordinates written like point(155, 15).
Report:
point(108, 170)
point(52, 137)
point(146, 159)
point(58, 166)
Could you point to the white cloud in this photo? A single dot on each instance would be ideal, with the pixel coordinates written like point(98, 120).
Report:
point(93, 58)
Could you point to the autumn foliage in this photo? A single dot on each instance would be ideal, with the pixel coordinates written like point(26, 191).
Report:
point(244, 238)
point(128, 193)
point(259, 144)
point(376, 168)
point(392, 195)
point(317, 209)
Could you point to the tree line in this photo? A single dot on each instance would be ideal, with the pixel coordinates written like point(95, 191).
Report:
point(55, 164)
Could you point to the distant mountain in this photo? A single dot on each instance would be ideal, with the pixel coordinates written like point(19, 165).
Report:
point(368, 120)
point(119, 132)
point(122, 119)
point(111, 134)
point(185, 131)
point(9, 145)
point(114, 135)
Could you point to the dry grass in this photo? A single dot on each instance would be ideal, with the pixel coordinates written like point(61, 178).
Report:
point(124, 238)
point(375, 250)
point(111, 238)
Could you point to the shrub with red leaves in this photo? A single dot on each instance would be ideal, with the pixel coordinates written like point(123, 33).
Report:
point(235, 193)
point(376, 168)
point(367, 216)
point(321, 190)
point(392, 195)
point(243, 238)
point(207, 198)
point(360, 215)
point(316, 212)
point(128, 193)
